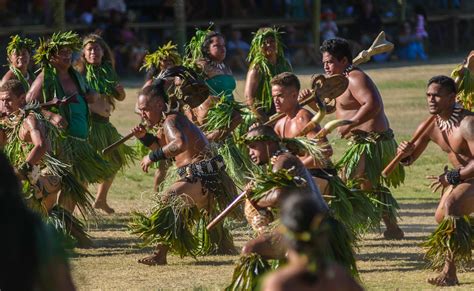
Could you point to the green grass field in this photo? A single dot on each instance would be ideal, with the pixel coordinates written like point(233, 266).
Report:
point(384, 265)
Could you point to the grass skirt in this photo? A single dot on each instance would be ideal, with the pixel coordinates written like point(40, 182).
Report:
point(182, 228)
point(103, 134)
point(353, 207)
point(62, 222)
point(237, 162)
point(87, 165)
point(378, 149)
point(340, 245)
point(248, 272)
point(453, 238)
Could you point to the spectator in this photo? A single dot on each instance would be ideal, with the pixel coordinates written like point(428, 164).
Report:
point(410, 45)
point(420, 15)
point(108, 5)
point(369, 23)
point(237, 51)
point(328, 26)
point(300, 46)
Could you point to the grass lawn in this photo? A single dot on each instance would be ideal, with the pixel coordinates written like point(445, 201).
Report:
point(387, 265)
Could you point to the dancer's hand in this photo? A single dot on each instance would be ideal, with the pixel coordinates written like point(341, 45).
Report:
point(304, 94)
point(139, 131)
point(58, 121)
point(145, 163)
point(438, 182)
point(406, 148)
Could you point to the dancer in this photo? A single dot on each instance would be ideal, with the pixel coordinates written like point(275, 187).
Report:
point(178, 220)
point(206, 51)
point(372, 141)
point(58, 81)
point(286, 176)
point(98, 68)
point(19, 52)
point(463, 75)
point(165, 57)
point(266, 60)
point(453, 131)
point(352, 207)
point(309, 266)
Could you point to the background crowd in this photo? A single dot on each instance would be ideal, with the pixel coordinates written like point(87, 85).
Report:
point(120, 22)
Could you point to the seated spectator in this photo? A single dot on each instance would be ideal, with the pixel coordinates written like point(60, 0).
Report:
point(237, 51)
point(410, 45)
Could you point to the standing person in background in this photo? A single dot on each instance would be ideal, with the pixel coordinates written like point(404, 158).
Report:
point(58, 79)
point(19, 52)
point(207, 51)
point(266, 60)
point(98, 68)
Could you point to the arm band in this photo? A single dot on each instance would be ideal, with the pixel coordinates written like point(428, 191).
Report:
point(157, 155)
point(148, 139)
point(453, 177)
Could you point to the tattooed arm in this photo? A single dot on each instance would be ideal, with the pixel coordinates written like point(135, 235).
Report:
point(177, 140)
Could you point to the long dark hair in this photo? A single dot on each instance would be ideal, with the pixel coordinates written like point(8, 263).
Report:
point(205, 50)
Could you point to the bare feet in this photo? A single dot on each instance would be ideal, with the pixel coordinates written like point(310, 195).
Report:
point(394, 233)
point(104, 206)
point(444, 279)
point(155, 259)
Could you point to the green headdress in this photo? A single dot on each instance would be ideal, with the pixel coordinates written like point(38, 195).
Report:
point(256, 55)
point(296, 145)
point(267, 70)
point(167, 51)
point(17, 44)
point(51, 46)
point(267, 180)
point(193, 50)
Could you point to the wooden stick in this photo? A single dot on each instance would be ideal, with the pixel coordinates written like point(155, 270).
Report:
point(394, 163)
point(226, 211)
point(119, 142)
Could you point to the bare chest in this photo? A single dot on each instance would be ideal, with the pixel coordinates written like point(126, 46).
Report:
point(453, 143)
point(347, 102)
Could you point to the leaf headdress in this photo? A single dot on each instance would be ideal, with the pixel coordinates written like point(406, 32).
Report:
point(255, 54)
point(47, 48)
point(193, 50)
point(167, 51)
point(258, 60)
point(17, 44)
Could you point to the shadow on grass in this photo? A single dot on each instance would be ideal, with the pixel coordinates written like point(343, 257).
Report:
point(109, 252)
point(201, 262)
point(392, 256)
point(423, 205)
point(410, 267)
point(115, 222)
